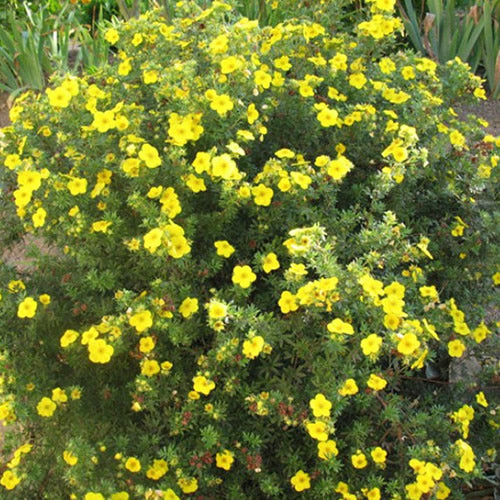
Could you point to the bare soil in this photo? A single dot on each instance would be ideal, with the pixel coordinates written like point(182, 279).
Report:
point(487, 110)
point(4, 109)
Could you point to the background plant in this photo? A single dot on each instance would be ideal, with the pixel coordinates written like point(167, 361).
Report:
point(445, 30)
point(491, 45)
point(273, 243)
point(37, 41)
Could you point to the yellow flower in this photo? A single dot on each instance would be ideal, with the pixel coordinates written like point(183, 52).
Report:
point(301, 481)
point(188, 485)
point(224, 248)
point(121, 495)
point(124, 68)
point(327, 117)
point(169, 494)
point(408, 344)
point(317, 430)
point(166, 366)
point(376, 383)
point(284, 153)
point(378, 455)
point(44, 299)
point(201, 162)
point(219, 45)
point(371, 345)
point(131, 167)
point(287, 302)
point(12, 161)
point(146, 344)
point(224, 460)
point(480, 332)
point(467, 458)
point(222, 104)
point(27, 308)
point(171, 206)
point(133, 464)
point(457, 139)
point(262, 79)
point(481, 399)
point(15, 286)
point(230, 64)
point(69, 458)
point(111, 36)
point(456, 348)
point(193, 395)
point(442, 491)
point(282, 63)
point(320, 406)
point(262, 195)
point(327, 449)
point(46, 407)
point(396, 149)
point(302, 180)
point(188, 307)
point(59, 395)
point(141, 321)
point(429, 291)
point(270, 262)
point(252, 113)
point(349, 388)
point(58, 97)
point(157, 470)
point(150, 76)
point(217, 310)
point(22, 197)
point(100, 351)
point(150, 367)
point(244, 191)
point(103, 120)
point(9, 480)
point(253, 347)
point(243, 276)
point(76, 393)
point(357, 80)
point(371, 286)
point(196, 184)
point(68, 337)
point(224, 166)
point(393, 305)
point(154, 192)
point(77, 186)
point(29, 179)
point(339, 326)
point(203, 385)
point(150, 156)
point(408, 72)
point(359, 460)
point(101, 226)
point(373, 494)
point(88, 335)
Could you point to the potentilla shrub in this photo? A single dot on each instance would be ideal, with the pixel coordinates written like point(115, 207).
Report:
point(272, 257)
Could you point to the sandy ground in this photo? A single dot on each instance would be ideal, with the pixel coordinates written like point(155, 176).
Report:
point(4, 110)
point(489, 111)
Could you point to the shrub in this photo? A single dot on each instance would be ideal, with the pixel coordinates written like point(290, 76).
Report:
point(273, 244)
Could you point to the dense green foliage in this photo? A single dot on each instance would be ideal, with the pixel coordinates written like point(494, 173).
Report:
point(272, 245)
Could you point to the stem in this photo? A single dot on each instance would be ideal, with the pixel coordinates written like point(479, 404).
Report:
point(430, 381)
